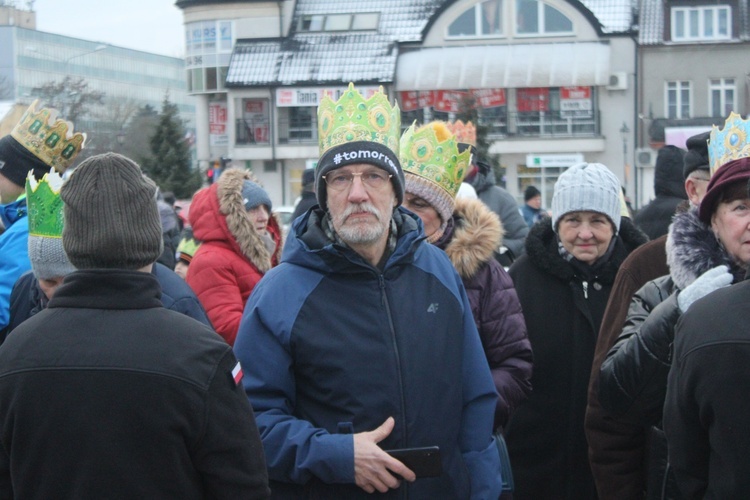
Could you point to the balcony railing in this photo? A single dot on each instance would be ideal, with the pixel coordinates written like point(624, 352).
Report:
point(543, 124)
point(516, 124)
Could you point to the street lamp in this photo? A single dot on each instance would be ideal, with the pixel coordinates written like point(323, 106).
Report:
point(98, 48)
point(624, 132)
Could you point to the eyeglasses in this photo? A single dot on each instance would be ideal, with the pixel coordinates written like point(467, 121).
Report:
point(374, 179)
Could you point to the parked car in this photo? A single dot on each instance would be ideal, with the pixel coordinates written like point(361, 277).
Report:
point(284, 213)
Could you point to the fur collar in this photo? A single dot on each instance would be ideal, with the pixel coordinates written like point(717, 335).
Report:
point(541, 248)
point(252, 246)
point(477, 234)
point(692, 249)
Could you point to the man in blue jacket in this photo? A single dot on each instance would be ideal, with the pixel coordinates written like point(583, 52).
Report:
point(362, 339)
point(21, 152)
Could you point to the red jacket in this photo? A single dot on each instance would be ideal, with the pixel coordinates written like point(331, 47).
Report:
point(233, 256)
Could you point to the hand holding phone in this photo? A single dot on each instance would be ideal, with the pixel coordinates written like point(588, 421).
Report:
point(424, 462)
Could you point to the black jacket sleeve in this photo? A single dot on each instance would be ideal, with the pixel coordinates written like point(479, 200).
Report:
point(229, 456)
point(633, 377)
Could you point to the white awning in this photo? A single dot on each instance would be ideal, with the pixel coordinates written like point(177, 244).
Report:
point(504, 66)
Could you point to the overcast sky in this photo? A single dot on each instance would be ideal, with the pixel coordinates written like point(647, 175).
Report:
point(149, 25)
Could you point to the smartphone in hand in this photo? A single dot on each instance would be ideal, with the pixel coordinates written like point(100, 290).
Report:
point(424, 462)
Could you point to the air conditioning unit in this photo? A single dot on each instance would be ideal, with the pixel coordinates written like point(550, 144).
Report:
point(618, 81)
point(645, 157)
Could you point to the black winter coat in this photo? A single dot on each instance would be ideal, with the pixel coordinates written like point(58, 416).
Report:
point(27, 298)
point(669, 188)
point(633, 378)
point(707, 403)
point(547, 445)
point(106, 394)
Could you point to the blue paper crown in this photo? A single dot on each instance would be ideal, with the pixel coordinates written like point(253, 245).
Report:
point(729, 143)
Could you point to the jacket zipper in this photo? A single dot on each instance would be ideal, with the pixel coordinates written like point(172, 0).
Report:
point(585, 289)
point(397, 356)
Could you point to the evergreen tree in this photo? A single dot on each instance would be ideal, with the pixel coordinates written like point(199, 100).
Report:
point(169, 165)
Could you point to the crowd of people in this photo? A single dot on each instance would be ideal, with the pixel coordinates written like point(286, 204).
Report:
point(417, 334)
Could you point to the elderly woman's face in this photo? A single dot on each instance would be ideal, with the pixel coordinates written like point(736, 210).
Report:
point(430, 218)
point(585, 235)
point(731, 224)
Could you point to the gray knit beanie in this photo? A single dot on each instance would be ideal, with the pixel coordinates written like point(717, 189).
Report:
point(253, 195)
point(111, 217)
point(48, 259)
point(588, 187)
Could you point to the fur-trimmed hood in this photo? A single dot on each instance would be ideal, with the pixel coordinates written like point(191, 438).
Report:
point(218, 214)
point(541, 247)
point(475, 235)
point(692, 249)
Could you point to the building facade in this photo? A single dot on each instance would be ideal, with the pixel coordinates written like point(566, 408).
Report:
point(553, 80)
point(29, 59)
point(694, 67)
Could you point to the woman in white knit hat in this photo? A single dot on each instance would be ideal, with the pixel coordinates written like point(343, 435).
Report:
point(563, 282)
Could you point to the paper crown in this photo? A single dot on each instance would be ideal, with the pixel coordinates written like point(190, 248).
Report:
point(354, 118)
point(729, 143)
point(48, 137)
point(465, 133)
point(45, 207)
point(431, 152)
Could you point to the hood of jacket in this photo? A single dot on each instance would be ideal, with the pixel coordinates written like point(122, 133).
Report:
point(484, 178)
point(473, 238)
point(692, 249)
point(541, 247)
point(11, 212)
point(308, 246)
point(218, 215)
point(668, 177)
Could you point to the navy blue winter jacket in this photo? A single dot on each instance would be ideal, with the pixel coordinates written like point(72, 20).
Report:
point(332, 346)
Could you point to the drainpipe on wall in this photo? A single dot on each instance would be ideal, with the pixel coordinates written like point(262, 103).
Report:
point(637, 125)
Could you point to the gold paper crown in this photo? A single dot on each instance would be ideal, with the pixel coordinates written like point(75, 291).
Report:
point(352, 118)
point(431, 152)
point(45, 207)
point(730, 143)
point(48, 137)
point(465, 133)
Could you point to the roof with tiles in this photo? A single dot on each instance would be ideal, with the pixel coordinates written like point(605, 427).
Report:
point(366, 56)
point(652, 16)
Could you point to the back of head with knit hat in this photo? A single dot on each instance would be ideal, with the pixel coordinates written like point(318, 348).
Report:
point(111, 216)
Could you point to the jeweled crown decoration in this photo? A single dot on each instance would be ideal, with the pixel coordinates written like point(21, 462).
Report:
point(431, 151)
point(354, 118)
point(729, 143)
point(465, 133)
point(48, 137)
point(45, 207)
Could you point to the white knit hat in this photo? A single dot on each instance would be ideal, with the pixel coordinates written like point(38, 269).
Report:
point(588, 187)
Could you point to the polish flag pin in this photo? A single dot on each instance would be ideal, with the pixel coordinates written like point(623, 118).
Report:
point(237, 373)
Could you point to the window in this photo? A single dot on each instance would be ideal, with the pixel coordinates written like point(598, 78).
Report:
point(253, 124)
point(339, 22)
point(721, 94)
point(678, 100)
point(701, 23)
point(368, 21)
point(208, 49)
point(538, 18)
point(311, 23)
point(484, 19)
point(298, 124)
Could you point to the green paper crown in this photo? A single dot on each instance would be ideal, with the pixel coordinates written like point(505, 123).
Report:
point(431, 152)
point(730, 143)
point(49, 138)
point(44, 205)
point(354, 118)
